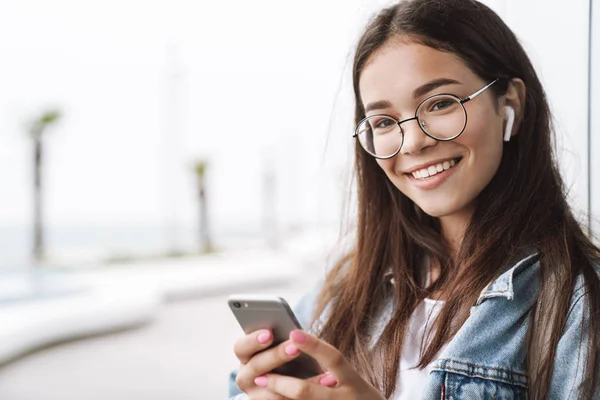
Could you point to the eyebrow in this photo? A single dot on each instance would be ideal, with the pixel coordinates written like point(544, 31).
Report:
point(418, 92)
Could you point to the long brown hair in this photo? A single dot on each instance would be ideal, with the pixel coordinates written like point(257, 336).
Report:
point(524, 206)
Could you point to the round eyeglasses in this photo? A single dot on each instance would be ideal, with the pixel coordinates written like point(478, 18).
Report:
point(442, 117)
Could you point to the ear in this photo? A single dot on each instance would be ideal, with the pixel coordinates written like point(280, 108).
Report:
point(513, 103)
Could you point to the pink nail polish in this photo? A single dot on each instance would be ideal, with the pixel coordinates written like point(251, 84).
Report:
point(298, 336)
point(291, 350)
point(328, 380)
point(264, 337)
point(261, 381)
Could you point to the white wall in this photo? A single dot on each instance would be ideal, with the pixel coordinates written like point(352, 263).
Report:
point(555, 35)
point(595, 120)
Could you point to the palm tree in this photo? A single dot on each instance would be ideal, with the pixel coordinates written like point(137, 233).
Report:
point(204, 229)
point(37, 128)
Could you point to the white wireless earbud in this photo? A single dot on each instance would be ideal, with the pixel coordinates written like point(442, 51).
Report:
point(510, 116)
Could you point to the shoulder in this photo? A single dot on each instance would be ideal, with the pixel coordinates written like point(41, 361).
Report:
point(581, 293)
point(306, 308)
point(573, 346)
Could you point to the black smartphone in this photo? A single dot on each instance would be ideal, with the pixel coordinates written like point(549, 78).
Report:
point(255, 312)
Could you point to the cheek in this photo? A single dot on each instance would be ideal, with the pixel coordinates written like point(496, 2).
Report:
point(387, 166)
point(484, 144)
point(483, 138)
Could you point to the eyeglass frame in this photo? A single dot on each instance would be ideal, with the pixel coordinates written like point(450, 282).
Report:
point(399, 123)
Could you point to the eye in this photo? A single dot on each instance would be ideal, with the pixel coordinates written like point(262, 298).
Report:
point(441, 104)
point(383, 123)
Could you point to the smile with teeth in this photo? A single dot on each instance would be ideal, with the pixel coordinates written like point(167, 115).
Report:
point(434, 169)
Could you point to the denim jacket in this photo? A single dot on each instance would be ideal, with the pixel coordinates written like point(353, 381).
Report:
point(486, 358)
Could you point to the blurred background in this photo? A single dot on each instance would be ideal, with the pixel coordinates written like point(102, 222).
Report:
point(157, 156)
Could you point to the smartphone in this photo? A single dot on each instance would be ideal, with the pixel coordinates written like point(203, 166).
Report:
point(255, 312)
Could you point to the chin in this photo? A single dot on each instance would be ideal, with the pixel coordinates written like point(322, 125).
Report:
point(437, 211)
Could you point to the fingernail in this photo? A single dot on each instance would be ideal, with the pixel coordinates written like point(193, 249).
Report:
point(298, 336)
point(291, 350)
point(261, 381)
point(328, 380)
point(264, 337)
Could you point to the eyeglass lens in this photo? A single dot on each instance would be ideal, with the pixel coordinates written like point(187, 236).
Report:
point(441, 117)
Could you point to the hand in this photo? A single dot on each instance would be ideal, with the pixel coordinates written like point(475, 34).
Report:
point(253, 365)
point(350, 385)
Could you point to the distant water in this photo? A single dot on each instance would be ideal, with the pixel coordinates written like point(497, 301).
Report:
point(29, 284)
point(97, 243)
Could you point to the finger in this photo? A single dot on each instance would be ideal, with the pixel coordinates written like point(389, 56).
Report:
point(248, 345)
point(328, 380)
point(294, 388)
point(325, 354)
point(264, 394)
point(254, 391)
point(265, 362)
point(324, 379)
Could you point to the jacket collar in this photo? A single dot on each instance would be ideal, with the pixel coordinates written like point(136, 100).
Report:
point(501, 286)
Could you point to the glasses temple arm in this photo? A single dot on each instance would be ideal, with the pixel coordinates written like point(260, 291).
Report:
point(477, 93)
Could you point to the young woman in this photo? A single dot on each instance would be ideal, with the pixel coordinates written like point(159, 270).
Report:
point(469, 278)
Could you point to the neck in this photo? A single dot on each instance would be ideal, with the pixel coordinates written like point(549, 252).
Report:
point(453, 230)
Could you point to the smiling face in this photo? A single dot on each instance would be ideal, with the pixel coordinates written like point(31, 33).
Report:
point(442, 178)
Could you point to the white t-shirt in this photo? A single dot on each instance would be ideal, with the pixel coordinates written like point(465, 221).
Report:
point(411, 381)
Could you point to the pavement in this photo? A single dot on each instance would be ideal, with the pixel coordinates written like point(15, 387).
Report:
point(70, 305)
point(186, 353)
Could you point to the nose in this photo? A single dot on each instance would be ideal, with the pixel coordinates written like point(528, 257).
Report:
point(415, 140)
